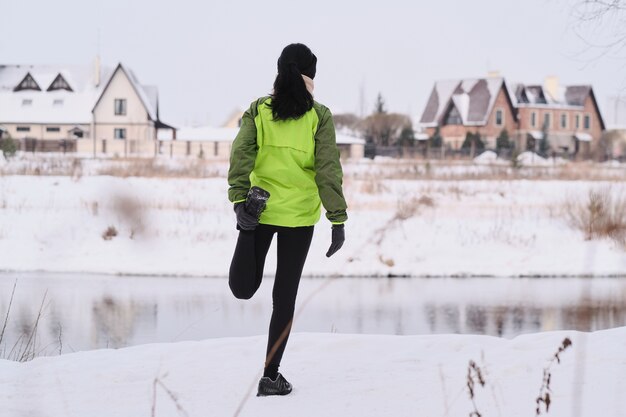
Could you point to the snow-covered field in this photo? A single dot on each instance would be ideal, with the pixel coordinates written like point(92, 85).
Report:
point(186, 226)
point(410, 219)
point(332, 374)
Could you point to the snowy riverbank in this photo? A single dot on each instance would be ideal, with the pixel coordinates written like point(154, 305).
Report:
point(177, 226)
point(333, 375)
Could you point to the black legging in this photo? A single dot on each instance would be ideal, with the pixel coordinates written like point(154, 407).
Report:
point(246, 273)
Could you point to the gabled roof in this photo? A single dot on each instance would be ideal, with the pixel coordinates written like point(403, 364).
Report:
point(473, 98)
point(75, 107)
point(567, 97)
point(77, 103)
point(147, 94)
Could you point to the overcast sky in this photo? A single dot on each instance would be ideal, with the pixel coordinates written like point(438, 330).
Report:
point(210, 57)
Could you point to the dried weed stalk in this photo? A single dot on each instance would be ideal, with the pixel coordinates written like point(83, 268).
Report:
point(170, 393)
point(474, 375)
point(544, 392)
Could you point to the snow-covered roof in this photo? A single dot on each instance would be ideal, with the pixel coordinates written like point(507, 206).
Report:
point(58, 106)
point(473, 98)
point(61, 106)
point(583, 137)
point(228, 134)
point(572, 96)
point(201, 133)
point(343, 139)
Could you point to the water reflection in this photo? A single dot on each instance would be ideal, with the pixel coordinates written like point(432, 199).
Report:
point(89, 312)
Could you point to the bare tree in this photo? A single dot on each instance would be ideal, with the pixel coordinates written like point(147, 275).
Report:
point(601, 24)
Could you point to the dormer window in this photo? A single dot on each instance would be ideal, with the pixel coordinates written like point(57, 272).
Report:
point(28, 83)
point(59, 83)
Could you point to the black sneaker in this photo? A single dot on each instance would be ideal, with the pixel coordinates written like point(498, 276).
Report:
point(255, 201)
point(279, 386)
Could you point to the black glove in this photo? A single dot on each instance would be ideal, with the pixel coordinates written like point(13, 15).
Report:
point(245, 220)
point(339, 236)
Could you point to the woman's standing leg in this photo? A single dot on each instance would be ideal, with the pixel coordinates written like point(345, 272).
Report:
point(293, 247)
point(246, 268)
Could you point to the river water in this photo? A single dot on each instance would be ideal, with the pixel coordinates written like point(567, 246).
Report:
point(83, 312)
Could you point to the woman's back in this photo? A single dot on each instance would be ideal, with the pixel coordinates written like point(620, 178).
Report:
point(285, 167)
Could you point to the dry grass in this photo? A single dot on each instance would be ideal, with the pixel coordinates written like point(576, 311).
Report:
point(25, 347)
point(467, 170)
point(602, 214)
point(77, 167)
point(159, 168)
point(373, 186)
point(408, 208)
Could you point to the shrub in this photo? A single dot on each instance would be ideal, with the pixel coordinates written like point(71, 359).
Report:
point(8, 147)
point(602, 214)
point(110, 233)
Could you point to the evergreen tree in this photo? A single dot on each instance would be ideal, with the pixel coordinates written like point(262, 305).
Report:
point(503, 142)
point(407, 136)
point(435, 140)
point(473, 141)
point(379, 107)
point(8, 147)
point(544, 143)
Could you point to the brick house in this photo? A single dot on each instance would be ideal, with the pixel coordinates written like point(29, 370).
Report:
point(568, 115)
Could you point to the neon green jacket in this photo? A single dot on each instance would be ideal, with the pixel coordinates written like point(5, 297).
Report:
point(296, 161)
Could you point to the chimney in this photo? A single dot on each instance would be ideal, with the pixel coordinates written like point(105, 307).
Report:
point(551, 86)
point(96, 71)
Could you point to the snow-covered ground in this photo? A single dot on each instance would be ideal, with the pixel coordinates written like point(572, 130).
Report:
point(186, 226)
point(405, 219)
point(332, 374)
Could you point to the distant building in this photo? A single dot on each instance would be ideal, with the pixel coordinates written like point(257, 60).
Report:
point(568, 115)
point(95, 110)
point(216, 142)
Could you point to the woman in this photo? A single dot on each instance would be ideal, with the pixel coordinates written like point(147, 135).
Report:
point(284, 164)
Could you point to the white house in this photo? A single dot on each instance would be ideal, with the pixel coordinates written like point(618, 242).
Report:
point(71, 108)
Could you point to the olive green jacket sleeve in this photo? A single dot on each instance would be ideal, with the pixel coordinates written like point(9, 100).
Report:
point(242, 156)
point(328, 172)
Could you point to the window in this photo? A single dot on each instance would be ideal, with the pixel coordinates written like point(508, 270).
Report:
point(547, 120)
point(533, 119)
point(120, 106)
point(53, 129)
point(563, 120)
point(59, 83)
point(577, 121)
point(587, 122)
point(57, 102)
point(499, 117)
point(27, 83)
point(27, 102)
point(23, 128)
point(119, 133)
point(454, 117)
